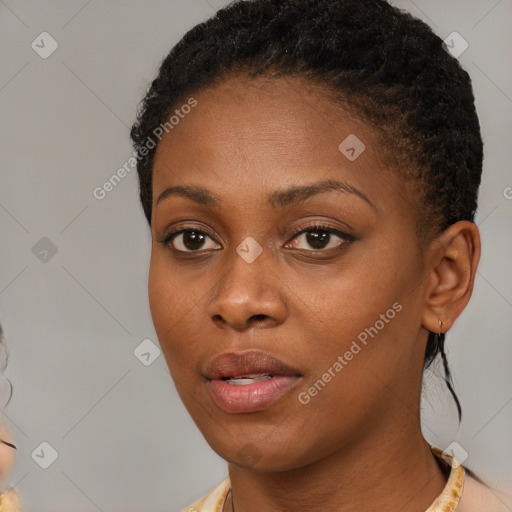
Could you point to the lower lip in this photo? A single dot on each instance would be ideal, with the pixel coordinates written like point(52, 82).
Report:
point(250, 397)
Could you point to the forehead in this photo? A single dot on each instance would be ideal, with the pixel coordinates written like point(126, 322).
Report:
point(248, 136)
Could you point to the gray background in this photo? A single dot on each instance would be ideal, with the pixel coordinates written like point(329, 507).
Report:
point(124, 441)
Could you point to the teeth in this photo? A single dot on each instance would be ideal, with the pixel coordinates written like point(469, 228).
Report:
point(250, 378)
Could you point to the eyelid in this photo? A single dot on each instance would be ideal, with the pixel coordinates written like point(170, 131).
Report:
point(321, 226)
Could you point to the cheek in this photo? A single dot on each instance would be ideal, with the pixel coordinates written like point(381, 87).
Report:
point(340, 301)
point(365, 316)
point(172, 301)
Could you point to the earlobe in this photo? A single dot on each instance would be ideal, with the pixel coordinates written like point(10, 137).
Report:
point(454, 257)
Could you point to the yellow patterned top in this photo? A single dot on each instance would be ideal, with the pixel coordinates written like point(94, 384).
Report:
point(446, 502)
point(9, 501)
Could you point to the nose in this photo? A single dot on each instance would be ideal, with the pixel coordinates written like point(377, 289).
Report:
point(248, 295)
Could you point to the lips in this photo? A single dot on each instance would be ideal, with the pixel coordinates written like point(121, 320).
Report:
point(247, 363)
point(249, 381)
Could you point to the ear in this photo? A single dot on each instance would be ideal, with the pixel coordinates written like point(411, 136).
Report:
point(453, 260)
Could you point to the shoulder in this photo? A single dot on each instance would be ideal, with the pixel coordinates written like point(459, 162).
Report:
point(213, 501)
point(476, 497)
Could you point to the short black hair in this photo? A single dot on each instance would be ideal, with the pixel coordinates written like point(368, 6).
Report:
point(387, 66)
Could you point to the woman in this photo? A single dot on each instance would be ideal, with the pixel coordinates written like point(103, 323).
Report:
point(310, 170)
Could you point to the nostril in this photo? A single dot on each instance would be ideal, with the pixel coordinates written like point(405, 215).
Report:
point(257, 318)
point(220, 321)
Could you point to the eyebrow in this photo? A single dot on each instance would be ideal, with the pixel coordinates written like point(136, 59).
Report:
point(278, 199)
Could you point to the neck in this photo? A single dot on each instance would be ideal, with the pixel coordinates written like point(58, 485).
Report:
point(391, 471)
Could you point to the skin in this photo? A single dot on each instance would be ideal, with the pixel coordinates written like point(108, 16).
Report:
point(358, 442)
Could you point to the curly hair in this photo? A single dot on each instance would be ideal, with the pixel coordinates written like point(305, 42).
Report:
point(383, 64)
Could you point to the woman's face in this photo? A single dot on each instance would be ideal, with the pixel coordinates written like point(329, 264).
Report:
point(325, 326)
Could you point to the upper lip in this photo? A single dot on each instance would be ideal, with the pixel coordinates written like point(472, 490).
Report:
point(232, 364)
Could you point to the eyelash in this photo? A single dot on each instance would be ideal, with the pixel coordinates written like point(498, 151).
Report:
point(345, 237)
point(319, 226)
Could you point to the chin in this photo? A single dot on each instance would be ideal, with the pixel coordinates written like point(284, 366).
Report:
point(254, 452)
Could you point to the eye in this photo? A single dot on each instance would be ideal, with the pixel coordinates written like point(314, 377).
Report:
point(190, 240)
point(319, 237)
